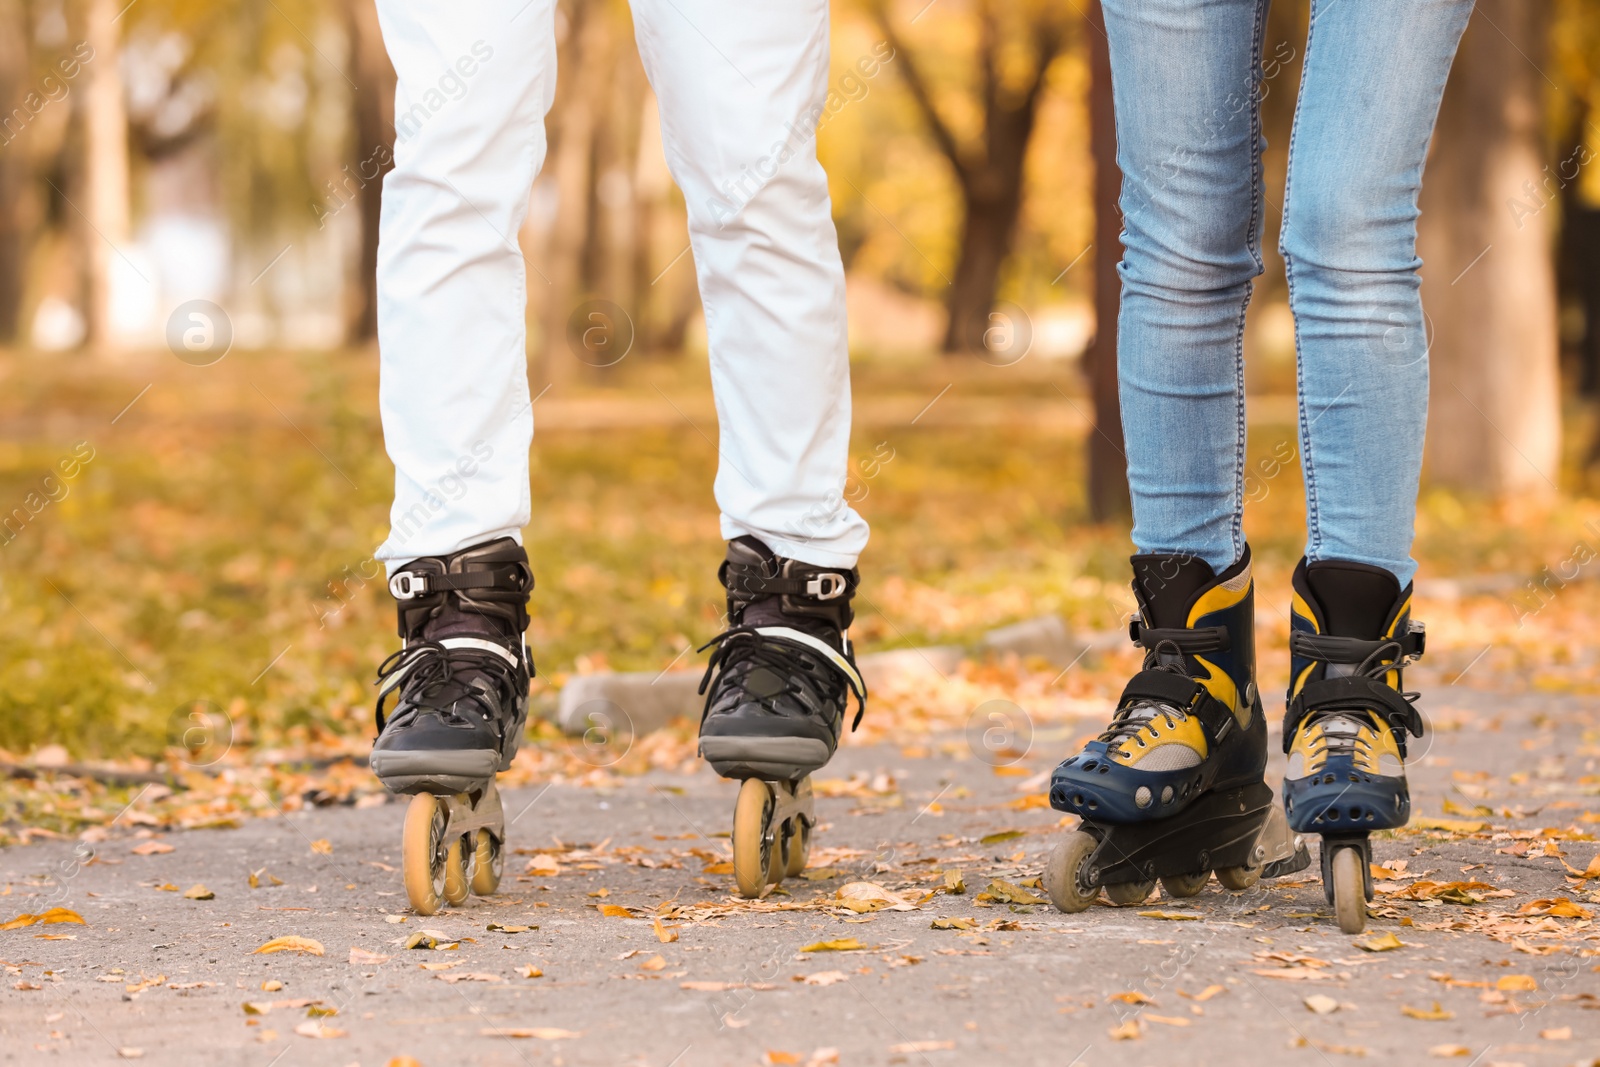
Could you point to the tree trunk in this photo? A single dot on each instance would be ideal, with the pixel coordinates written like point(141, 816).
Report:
point(987, 230)
point(1108, 463)
point(1490, 292)
point(14, 172)
point(572, 170)
point(105, 206)
point(374, 140)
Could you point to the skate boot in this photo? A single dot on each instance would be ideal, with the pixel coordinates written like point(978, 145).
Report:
point(1345, 731)
point(780, 681)
point(1173, 788)
point(460, 689)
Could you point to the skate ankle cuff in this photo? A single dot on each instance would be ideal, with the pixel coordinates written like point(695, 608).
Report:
point(793, 579)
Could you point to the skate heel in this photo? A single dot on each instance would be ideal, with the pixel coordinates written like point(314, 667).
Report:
point(772, 824)
point(452, 846)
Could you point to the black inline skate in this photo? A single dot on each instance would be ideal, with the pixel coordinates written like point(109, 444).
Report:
point(1348, 717)
point(461, 700)
point(780, 681)
point(1173, 788)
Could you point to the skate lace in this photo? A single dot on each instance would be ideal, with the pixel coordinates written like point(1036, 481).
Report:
point(743, 649)
point(435, 677)
point(1343, 732)
point(1129, 720)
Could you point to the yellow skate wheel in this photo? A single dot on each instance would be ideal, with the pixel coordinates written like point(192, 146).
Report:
point(798, 850)
point(752, 849)
point(421, 862)
point(1185, 885)
point(457, 879)
point(487, 863)
point(1239, 879)
point(1349, 890)
point(1129, 892)
point(1065, 874)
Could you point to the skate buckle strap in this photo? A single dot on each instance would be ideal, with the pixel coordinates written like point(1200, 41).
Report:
point(1187, 694)
point(815, 583)
point(409, 585)
point(1188, 641)
point(1357, 693)
point(846, 667)
point(1407, 647)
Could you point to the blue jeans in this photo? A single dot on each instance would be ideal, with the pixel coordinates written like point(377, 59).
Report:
point(1188, 77)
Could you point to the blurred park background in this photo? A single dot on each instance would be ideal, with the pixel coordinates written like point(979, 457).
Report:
point(183, 530)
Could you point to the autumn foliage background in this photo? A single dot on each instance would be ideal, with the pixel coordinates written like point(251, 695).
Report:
point(185, 536)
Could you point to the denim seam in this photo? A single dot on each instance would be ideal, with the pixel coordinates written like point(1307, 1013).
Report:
point(1307, 464)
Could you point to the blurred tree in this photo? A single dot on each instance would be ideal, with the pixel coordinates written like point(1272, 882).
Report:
point(1108, 463)
point(106, 208)
point(1490, 291)
point(1014, 50)
point(15, 172)
point(373, 122)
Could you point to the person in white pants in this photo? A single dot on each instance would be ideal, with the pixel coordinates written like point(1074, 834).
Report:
point(741, 88)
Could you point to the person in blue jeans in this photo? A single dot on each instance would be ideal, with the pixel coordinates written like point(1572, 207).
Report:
point(1187, 80)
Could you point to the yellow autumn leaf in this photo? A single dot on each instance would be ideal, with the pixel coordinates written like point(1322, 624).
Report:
point(615, 911)
point(291, 943)
point(1173, 916)
point(1436, 1015)
point(665, 934)
point(1516, 983)
point(1127, 1031)
point(322, 846)
point(199, 892)
point(530, 971)
point(1385, 942)
point(839, 944)
point(955, 923)
point(543, 1033)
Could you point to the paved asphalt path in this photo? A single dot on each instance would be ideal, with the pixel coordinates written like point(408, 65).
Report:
point(1028, 986)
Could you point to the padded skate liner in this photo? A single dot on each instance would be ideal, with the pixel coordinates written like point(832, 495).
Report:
point(784, 757)
point(471, 763)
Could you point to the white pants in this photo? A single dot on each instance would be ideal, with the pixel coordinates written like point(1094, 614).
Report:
point(740, 87)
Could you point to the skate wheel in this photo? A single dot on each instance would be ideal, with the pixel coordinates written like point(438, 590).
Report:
point(487, 863)
point(457, 879)
point(753, 862)
point(1185, 885)
point(1238, 879)
point(797, 849)
point(1064, 873)
point(421, 861)
point(1129, 892)
point(1349, 890)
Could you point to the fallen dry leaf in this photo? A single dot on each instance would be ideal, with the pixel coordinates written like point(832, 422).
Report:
point(360, 957)
point(1446, 1051)
point(151, 848)
point(199, 892)
point(838, 944)
point(665, 934)
point(543, 1033)
point(1436, 1015)
point(825, 978)
point(1127, 1030)
point(469, 976)
point(322, 847)
point(1166, 1020)
point(52, 915)
point(1560, 907)
point(1174, 916)
point(530, 971)
point(1205, 994)
point(922, 1046)
point(1320, 1004)
point(1385, 942)
point(1516, 983)
point(1557, 1033)
point(1131, 996)
point(657, 962)
point(614, 911)
point(956, 923)
point(291, 943)
point(319, 1030)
